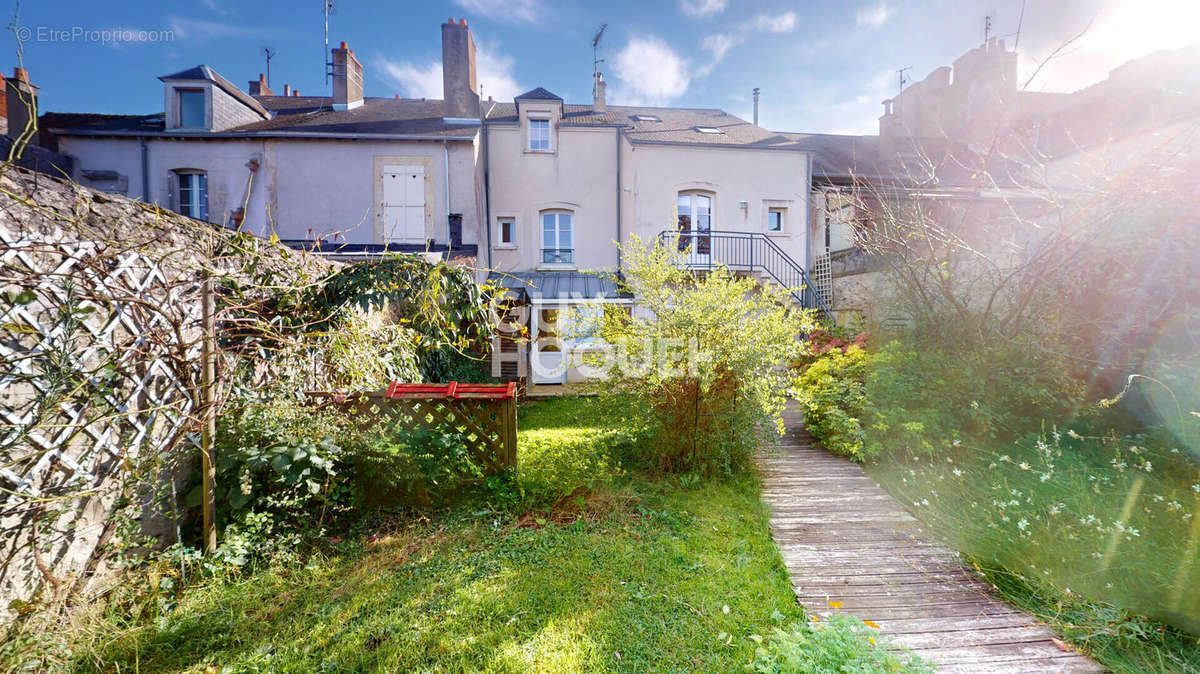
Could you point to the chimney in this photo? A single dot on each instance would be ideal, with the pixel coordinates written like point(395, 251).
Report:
point(755, 106)
point(260, 87)
point(21, 104)
point(287, 90)
point(459, 85)
point(598, 90)
point(347, 79)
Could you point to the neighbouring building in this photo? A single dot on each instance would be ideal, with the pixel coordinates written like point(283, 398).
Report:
point(538, 190)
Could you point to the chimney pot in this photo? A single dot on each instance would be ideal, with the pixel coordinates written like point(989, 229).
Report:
point(295, 93)
point(21, 74)
point(287, 90)
point(343, 44)
point(462, 22)
point(398, 97)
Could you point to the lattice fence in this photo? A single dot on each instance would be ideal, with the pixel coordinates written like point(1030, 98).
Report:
point(98, 346)
point(485, 416)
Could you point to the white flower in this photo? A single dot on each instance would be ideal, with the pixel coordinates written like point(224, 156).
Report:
point(1023, 466)
point(1023, 524)
point(1196, 488)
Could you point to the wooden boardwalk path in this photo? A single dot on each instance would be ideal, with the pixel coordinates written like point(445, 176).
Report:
point(846, 540)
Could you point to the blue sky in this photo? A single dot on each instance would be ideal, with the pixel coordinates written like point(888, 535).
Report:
point(822, 66)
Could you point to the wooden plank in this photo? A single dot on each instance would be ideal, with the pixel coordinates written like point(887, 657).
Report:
point(846, 540)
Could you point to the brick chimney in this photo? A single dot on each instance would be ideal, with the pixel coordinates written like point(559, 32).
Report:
point(459, 86)
point(260, 87)
point(598, 91)
point(347, 79)
point(21, 103)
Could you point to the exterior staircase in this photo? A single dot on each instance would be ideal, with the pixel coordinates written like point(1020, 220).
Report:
point(750, 252)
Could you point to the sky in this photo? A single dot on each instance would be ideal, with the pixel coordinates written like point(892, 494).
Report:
point(822, 66)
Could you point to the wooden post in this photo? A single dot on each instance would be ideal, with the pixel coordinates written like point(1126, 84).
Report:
point(208, 428)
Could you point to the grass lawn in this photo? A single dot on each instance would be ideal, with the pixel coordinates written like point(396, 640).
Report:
point(1116, 520)
point(641, 575)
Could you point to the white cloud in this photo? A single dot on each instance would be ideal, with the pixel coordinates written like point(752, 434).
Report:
point(703, 8)
point(200, 30)
point(216, 7)
point(719, 44)
point(494, 70)
point(520, 11)
point(766, 23)
point(874, 16)
point(651, 70)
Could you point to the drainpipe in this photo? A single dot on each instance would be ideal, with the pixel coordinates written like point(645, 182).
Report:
point(618, 137)
point(145, 169)
point(446, 166)
point(808, 200)
point(487, 190)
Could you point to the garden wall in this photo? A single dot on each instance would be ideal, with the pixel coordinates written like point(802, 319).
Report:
point(100, 328)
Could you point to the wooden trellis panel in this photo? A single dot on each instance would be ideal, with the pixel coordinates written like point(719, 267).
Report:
point(487, 421)
point(151, 404)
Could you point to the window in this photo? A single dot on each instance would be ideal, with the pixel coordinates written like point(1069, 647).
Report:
point(708, 129)
point(506, 232)
point(191, 108)
point(193, 194)
point(557, 242)
point(695, 221)
point(775, 218)
point(647, 118)
point(539, 135)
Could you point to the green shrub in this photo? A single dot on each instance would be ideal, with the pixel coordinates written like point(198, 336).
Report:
point(277, 465)
point(703, 355)
point(831, 392)
point(837, 645)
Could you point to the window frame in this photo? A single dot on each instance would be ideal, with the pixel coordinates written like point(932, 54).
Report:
point(782, 212)
point(197, 194)
point(530, 135)
point(501, 220)
point(179, 96)
point(557, 259)
point(709, 130)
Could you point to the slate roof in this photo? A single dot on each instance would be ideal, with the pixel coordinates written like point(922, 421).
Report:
point(538, 94)
point(678, 125)
point(841, 156)
point(388, 116)
point(203, 72)
point(292, 114)
point(558, 284)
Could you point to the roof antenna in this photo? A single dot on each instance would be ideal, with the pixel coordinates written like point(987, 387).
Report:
point(987, 27)
point(904, 79)
point(328, 8)
point(596, 60)
point(270, 54)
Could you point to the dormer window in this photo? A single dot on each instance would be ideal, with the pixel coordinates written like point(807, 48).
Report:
point(191, 108)
point(647, 118)
point(539, 135)
point(711, 130)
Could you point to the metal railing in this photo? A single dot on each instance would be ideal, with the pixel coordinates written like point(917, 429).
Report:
point(558, 255)
point(749, 252)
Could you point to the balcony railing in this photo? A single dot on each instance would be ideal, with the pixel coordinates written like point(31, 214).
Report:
point(748, 252)
point(558, 256)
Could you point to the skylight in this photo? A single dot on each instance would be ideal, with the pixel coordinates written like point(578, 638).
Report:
point(708, 129)
point(647, 118)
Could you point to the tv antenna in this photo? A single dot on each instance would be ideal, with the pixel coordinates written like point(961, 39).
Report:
point(904, 79)
point(270, 55)
point(987, 27)
point(327, 6)
point(596, 60)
